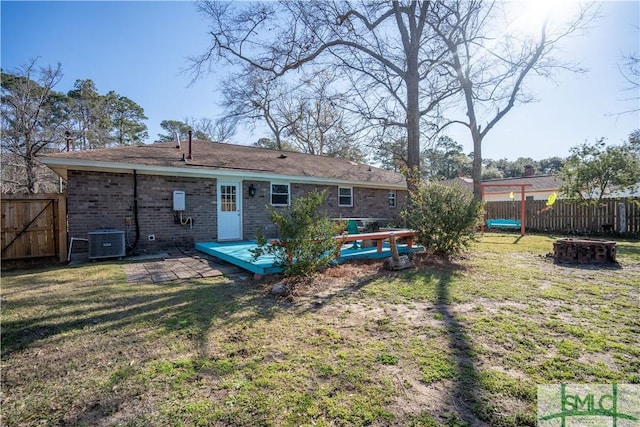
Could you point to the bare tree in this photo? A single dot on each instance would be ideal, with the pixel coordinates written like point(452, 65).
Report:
point(317, 123)
point(223, 130)
point(630, 70)
point(391, 153)
point(302, 114)
point(387, 48)
point(253, 96)
point(203, 128)
point(490, 68)
point(210, 130)
point(271, 145)
point(31, 122)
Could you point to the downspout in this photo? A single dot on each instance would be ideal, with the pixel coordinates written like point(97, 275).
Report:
point(135, 210)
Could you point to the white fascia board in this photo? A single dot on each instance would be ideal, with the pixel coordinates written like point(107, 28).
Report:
point(328, 181)
point(61, 165)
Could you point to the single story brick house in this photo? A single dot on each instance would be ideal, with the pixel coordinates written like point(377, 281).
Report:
point(165, 194)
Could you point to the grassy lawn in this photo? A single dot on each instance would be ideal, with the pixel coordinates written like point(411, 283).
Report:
point(451, 344)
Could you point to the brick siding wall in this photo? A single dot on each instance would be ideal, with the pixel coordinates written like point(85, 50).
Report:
point(99, 200)
point(367, 203)
point(255, 214)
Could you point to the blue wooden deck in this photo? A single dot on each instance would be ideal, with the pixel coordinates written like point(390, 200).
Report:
point(238, 253)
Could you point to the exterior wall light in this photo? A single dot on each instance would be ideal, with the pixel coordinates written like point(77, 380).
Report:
point(251, 190)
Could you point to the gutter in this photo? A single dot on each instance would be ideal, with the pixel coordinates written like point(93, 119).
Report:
point(62, 165)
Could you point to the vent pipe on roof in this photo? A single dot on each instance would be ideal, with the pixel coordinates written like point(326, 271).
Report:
point(176, 136)
point(67, 136)
point(189, 156)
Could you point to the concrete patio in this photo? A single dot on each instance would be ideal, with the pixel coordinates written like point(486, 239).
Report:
point(160, 268)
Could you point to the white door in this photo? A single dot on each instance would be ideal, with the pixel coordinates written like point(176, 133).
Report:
point(229, 211)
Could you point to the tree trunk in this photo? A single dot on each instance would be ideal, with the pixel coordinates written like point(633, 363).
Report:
point(413, 121)
point(278, 140)
point(476, 134)
point(476, 171)
point(30, 170)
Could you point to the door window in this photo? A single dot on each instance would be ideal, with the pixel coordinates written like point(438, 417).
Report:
point(228, 198)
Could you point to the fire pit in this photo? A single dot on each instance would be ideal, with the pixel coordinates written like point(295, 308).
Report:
point(584, 251)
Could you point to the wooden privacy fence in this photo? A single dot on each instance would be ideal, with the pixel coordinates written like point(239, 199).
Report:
point(567, 217)
point(34, 226)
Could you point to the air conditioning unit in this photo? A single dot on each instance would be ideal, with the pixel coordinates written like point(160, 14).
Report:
point(106, 244)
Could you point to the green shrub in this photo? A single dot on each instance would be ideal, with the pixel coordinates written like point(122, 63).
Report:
point(446, 217)
point(306, 240)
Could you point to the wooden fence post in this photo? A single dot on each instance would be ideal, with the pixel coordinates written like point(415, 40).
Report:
point(61, 227)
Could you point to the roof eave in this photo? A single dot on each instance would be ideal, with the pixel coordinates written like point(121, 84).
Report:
point(62, 165)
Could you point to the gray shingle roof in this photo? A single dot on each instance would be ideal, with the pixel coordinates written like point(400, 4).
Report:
point(536, 183)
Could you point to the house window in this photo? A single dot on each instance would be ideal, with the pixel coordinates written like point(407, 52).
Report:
point(280, 194)
point(528, 198)
point(345, 196)
point(392, 198)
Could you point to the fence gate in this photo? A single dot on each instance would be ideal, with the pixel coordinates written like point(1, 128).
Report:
point(34, 226)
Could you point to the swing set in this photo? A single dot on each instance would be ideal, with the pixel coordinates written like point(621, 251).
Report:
point(507, 223)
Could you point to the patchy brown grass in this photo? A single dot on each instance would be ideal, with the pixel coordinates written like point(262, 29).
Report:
point(455, 343)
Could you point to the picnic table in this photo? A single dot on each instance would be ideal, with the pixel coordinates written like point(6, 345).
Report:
point(380, 236)
point(377, 236)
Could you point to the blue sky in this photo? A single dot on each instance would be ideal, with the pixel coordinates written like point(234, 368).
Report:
point(140, 50)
